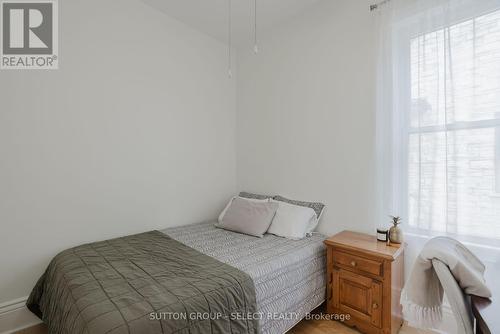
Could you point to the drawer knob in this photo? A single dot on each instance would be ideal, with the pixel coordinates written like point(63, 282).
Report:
point(375, 306)
point(353, 263)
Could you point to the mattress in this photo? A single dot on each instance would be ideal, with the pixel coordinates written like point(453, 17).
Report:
point(289, 275)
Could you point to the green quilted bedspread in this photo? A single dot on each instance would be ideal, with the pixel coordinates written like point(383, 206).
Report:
point(144, 283)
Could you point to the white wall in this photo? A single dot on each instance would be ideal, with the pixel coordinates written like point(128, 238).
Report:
point(305, 117)
point(134, 132)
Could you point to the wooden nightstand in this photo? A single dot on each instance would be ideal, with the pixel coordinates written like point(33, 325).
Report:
point(364, 280)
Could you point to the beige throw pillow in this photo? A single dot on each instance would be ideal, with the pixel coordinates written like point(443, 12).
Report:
point(248, 217)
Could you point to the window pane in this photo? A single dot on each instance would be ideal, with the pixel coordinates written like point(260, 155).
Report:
point(455, 73)
point(427, 181)
point(452, 182)
point(454, 148)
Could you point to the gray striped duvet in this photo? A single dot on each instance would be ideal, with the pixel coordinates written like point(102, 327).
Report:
point(289, 275)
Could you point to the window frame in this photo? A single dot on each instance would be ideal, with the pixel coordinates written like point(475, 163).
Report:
point(404, 31)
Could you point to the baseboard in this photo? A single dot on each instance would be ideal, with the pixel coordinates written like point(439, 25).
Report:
point(14, 316)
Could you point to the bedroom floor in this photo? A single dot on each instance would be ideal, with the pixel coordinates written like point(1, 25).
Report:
point(334, 327)
point(304, 327)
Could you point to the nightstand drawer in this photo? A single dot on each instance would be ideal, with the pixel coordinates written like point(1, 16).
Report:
point(356, 263)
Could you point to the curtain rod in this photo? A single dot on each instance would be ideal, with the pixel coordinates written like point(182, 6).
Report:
point(376, 5)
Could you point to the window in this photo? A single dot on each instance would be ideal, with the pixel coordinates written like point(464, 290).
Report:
point(452, 131)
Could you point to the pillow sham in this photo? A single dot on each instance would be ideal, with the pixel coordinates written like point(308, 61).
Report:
point(248, 217)
point(231, 200)
point(316, 206)
point(291, 221)
point(254, 196)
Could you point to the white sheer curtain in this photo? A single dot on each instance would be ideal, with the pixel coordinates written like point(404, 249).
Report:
point(438, 117)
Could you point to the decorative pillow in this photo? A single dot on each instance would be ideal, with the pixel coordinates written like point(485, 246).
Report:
point(248, 217)
point(316, 206)
point(254, 196)
point(231, 200)
point(291, 221)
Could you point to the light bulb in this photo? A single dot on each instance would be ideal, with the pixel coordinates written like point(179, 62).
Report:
point(256, 48)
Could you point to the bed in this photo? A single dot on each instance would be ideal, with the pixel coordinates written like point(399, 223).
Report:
point(115, 286)
point(289, 275)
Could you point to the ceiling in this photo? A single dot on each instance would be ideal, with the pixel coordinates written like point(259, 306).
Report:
point(211, 16)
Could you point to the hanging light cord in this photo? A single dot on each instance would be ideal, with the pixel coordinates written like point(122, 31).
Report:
point(229, 35)
point(255, 45)
point(229, 71)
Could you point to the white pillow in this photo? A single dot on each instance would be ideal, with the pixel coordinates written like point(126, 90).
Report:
point(246, 199)
point(313, 223)
point(292, 221)
point(249, 217)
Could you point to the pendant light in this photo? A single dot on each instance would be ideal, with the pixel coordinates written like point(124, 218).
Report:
point(229, 35)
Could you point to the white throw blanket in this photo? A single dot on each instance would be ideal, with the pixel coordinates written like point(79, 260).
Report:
point(422, 295)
